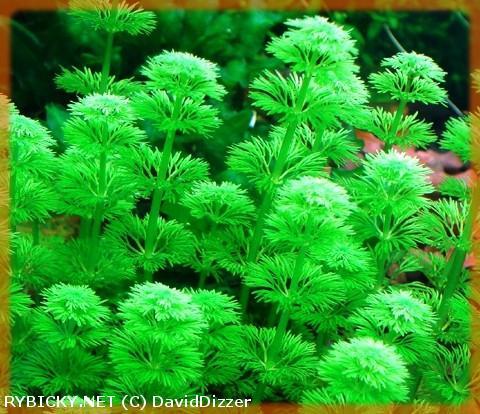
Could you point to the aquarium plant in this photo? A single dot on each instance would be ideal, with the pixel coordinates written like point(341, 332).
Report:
point(306, 271)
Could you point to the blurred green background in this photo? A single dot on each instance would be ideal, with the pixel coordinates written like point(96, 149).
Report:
point(44, 42)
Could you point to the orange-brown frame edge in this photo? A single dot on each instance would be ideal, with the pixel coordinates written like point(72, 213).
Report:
point(472, 7)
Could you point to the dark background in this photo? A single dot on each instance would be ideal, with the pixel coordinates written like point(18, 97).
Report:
point(44, 42)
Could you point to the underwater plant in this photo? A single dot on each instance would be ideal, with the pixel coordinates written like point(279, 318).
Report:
point(304, 271)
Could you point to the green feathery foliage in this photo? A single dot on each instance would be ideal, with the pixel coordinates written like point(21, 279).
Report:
point(361, 371)
point(132, 259)
point(33, 166)
point(457, 138)
point(157, 347)
point(407, 78)
point(71, 316)
point(392, 192)
point(398, 319)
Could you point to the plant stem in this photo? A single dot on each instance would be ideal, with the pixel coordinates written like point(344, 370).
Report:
point(203, 279)
point(85, 226)
point(318, 141)
point(99, 208)
point(107, 59)
point(102, 174)
point(151, 234)
point(272, 316)
point(275, 348)
point(452, 273)
point(384, 265)
point(205, 272)
point(453, 270)
point(254, 246)
point(269, 195)
point(396, 121)
point(398, 115)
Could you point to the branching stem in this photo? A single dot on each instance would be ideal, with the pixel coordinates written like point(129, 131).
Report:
point(102, 175)
point(100, 207)
point(157, 194)
point(107, 60)
point(276, 345)
point(269, 195)
point(396, 121)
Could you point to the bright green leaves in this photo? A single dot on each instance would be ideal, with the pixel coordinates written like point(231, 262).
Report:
point(319, 105)
point(221, 204)
point(69, 327)
point(218, 308)
point(401, 320)
point(449, 379)
point(271, 281)
point(371, 373)
point(173, 243)
point(408, 78)
point(102, 123)
point(85, 82)
point(157, 347)
point(315, 196)
point(183, 171)
point(33, 166)
point(19, 303)
point(72, 316)
point(321, 247)
point(411, 77)
point(322, 89)
point(168, 369)
point(163, 313)
point(410, 131)
point(305, 206)
point(445, 223)
point(31, 143)
point(81, 189)
point(457, 138)
point(183, 74)
point(295, 363)
point(456, 328)
point(391, 192)
point(192, 117)
point(94, 184)
point(392, 181)
point(362, 371)
point(113, 17)
point(179, 85)
point(223, 213)
point(110, 17)
point(256, 160)
point(54, 370)
point(33, 200)
point(336, 146)
point(74, 303)
point(281, 96)
point(227, 253)
point(455, 188)
point(313, 43)
point(109, 108)
point(219, 342)
point(110, 268)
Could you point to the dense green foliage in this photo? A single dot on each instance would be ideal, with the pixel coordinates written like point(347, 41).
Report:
point(299, 254)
